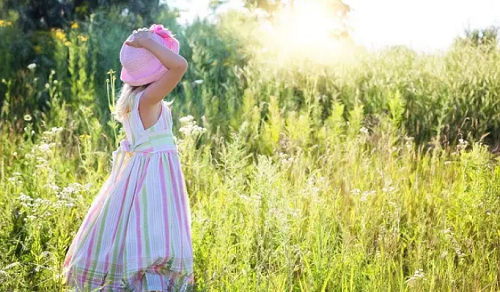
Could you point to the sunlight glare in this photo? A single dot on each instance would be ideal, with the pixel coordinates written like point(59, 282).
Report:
point(305, 31)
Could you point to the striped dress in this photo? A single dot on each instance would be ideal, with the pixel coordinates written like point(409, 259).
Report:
point(136, 235)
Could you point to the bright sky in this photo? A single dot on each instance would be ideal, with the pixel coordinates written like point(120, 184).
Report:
point(424, 25)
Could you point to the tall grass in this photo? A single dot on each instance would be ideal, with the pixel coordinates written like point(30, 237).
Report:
point(363, 176)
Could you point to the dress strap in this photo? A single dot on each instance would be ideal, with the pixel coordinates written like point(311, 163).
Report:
point(137, 99)
point(169, 115)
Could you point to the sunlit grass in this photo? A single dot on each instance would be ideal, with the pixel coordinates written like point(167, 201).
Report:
point(364, 176)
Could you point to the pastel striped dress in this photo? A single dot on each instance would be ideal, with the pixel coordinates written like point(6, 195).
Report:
point(136, 235)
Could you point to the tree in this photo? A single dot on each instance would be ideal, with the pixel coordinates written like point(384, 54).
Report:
point(46, 14)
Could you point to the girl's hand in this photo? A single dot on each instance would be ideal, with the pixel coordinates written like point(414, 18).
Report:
point(139, 38)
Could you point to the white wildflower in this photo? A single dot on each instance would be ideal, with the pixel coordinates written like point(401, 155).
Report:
point(366, 194)
point(44, 147)
point(53, 187)
point(32, 66)
point(198, 82)
point(186, 119)
point(23, 197)
point(124, 12)
point(56, 129)
point(419, 275)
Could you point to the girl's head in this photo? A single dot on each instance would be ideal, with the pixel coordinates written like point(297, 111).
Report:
point(140, 67)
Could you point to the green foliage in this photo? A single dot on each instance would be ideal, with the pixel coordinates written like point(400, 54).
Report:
point(301, 177)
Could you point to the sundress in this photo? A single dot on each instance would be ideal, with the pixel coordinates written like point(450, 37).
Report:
point(136, 235)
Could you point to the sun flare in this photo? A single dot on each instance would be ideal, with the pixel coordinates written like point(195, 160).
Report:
point(305, 29)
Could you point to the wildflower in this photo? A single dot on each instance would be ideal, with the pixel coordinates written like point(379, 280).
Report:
point(32, 66)
point(47, 85)
point(419, 275)
point(37, 49)
point(199, 81)
point(364, 195)
point(9, 23)
point(44, 147)
point(67, 44)
point(74, 25)
point(56, 129)
point(54, 187)
point(84, 136)
point(2, 22)
point(60, 35)
point(186, 119)
point(24, 198)
point(82, 38)
point(125, 12)
point(364, 130)
point(27, 117)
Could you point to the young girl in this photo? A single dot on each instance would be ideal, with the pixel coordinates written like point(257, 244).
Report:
point(137, 234)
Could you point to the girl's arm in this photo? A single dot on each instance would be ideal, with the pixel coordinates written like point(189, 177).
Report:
point(175, 64)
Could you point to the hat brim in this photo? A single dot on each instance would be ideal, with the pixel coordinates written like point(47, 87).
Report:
point(125, 77)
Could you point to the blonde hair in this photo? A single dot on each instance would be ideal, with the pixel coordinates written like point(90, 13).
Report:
point(126, 100)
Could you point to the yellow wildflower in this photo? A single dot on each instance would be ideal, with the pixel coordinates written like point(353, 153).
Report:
point(37, 49)
point(60, 35)
point(2, 22)
point(74, 25)
point(9, 23)
point(84, 136)
point(67, 44)
point(83, 38)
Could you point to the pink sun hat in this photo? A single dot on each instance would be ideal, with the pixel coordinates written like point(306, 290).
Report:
point(140, 66)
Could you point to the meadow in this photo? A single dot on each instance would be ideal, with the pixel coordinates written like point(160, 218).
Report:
point(377, 172)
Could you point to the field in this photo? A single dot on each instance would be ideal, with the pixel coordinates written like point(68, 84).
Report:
point(377, 173)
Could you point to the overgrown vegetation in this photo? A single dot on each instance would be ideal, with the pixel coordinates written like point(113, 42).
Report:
point(367, 175)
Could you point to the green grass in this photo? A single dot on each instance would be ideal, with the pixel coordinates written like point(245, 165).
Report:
point(307, 178)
